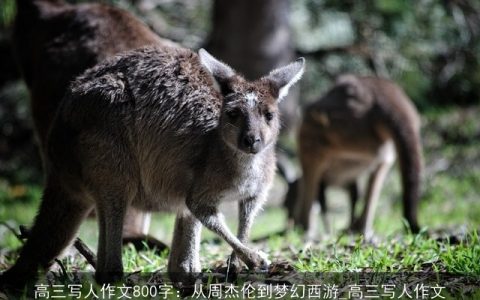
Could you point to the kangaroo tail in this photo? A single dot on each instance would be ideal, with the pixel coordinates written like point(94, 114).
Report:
point(402, 120)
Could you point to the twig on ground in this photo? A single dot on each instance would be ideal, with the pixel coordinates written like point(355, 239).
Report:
point(81, 247)
point(10, 228)
point(90, 257)
point(62, 267)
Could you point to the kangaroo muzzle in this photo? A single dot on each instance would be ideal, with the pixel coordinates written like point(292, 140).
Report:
point(250, 143)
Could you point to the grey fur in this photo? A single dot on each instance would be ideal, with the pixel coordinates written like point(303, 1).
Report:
point(148, 129)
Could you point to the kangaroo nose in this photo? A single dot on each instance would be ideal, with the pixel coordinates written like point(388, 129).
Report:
point(250, 140)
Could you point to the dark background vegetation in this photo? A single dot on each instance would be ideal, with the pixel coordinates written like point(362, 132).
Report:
point(431, 48)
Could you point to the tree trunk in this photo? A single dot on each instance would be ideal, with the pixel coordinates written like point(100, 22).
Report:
point(254, 37)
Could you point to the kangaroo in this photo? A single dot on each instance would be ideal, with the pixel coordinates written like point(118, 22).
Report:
point(54, 42)
point(158, 129)
point(359, 127)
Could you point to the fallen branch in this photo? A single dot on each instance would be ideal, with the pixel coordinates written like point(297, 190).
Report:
point(81, 247)
point(15, 233)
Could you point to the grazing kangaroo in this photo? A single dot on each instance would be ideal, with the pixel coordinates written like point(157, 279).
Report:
point(158, 129)
point(354, 129)
point(55, 42)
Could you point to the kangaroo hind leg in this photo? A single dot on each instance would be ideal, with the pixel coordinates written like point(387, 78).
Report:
point(61, 213)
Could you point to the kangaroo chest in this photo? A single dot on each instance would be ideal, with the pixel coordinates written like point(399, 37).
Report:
point(347, 166)
point(247, 184)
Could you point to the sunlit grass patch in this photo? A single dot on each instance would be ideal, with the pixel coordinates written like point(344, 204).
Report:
point(410, 253)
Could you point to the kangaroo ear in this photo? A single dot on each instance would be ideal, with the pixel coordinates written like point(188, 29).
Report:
point(283, 78)
point(219, 70)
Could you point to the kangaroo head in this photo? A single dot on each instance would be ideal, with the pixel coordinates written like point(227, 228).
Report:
point(356, 93)
point(249, 121)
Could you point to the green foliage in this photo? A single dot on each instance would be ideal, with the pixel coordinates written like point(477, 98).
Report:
point(7, 12)
point(185, 22)
point(19, 157)
point(429, 47)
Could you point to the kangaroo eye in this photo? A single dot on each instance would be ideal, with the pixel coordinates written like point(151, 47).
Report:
point(232, 114)
point(268, 116)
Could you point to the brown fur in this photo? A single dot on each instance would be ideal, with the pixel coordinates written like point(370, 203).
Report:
point(55, 41)
point(352, 131)
point(149, 129)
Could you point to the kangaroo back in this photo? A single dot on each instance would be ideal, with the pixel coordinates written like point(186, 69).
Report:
point(391, 106)
point(55, 41)
point(361, 115)
point(402, 119)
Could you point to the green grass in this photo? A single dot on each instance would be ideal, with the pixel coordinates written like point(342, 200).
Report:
point(449, 213)
point(412, 253)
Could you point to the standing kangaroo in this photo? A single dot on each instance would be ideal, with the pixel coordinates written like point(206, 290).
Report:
point(354, 129)
point(54, 42)
point(158, 129)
